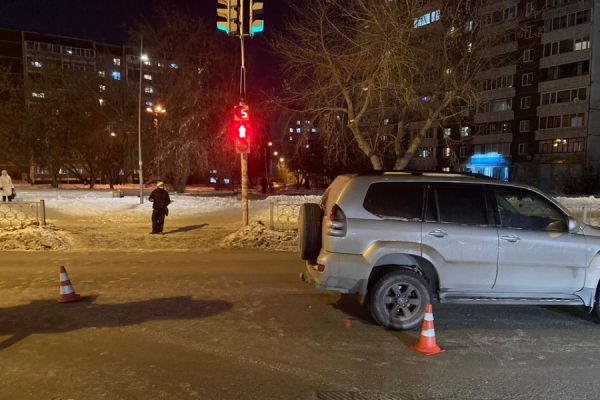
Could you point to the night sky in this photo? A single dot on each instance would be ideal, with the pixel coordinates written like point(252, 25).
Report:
point(104, 20)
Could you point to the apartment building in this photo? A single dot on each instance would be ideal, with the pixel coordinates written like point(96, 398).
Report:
point(540, 119)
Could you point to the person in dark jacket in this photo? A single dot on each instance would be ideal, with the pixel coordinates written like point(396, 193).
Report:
point(160, 200)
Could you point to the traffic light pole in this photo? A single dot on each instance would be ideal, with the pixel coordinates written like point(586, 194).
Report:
point(244, 155)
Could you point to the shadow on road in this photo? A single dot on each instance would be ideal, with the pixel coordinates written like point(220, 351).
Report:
point(48, 316)
point(186, 228)
point(350, 305)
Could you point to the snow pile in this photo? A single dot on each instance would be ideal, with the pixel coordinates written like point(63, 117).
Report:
point(257, 235)
point(34, 238)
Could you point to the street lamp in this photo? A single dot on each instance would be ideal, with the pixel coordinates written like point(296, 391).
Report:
point(143, 58)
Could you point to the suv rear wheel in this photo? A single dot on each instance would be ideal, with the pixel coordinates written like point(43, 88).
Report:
point(309, 231)
point(596, 309)
point(398, 300)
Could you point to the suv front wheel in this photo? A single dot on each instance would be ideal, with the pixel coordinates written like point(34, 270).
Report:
point(398, 300)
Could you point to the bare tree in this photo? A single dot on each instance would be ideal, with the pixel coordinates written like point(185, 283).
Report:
point(366, 70)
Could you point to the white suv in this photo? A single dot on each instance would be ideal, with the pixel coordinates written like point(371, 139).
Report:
point(399, 239)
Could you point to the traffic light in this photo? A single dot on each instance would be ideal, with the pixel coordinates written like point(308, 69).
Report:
point(229, 13)
point(257, 23)
point(241, 128)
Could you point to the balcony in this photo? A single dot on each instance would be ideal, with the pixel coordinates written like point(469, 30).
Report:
point(494, 138)
point(497, 116)
point(560, 133)
point(566, 58)
point(565, 83)
point(502, 93)
point(562, 108)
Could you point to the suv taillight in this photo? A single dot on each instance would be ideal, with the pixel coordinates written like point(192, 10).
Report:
point(336, 224)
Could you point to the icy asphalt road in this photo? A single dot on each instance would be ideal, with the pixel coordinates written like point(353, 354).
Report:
point(240, 325)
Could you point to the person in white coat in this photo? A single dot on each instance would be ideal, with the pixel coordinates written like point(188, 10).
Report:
point(6, 186)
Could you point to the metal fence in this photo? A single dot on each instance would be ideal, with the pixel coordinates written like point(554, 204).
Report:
point(19, 214)
point(284, 216)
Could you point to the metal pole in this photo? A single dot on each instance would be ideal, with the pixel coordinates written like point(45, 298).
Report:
point(140, 173)
point(244, 156)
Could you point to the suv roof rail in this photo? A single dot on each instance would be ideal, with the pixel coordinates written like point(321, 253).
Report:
point(427, 173)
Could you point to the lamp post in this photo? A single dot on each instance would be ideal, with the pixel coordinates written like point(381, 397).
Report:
point(143, 58)
point(268, 159)
point(156, 111)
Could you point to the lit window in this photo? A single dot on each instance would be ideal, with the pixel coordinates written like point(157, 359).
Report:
point(447, 132)
point(291, 130)
point(102, 88)
point(174, 66)
point(298, 130)
point(101, 102)
point(313, 130)
point(149, 89)
point(426, 19)
point(465, 131)
point(298, 122)
point(160, 65)
point(101, 74)
point(36, 64)
point(446, 152)
point(69, 50)
point(446, 169)
point(116, 75)
point(38, 95)
point(150, 103)
point(148, 77)
point(117, 61)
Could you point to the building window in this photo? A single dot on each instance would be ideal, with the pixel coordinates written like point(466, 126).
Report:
point(564, 96)
point(313, 130)
point(462, 152)
point(38, 95)
point(522, 149)
point(446, 152)
point(101, 74)
point(447, 132)
point(582, 44)
point(497, 83)
point(527, 79)
point(426, 19)
point(101, 102)
point(567, 20)
point(117, 62)
point(497, 105)
point(524, 126)
point(150, 104)
point(36, 64)
point(425, 152)
point(576, 120)
point(528, 55)
point(291, 130)
point(172, 65)
point(148, 77)
point(525, 103)
point(529, 8)
point(575, 145)
point(430, 134)
point(298, 130)
point(465, 131)
point(102, 88)
point(148, 89)
point(116, 75)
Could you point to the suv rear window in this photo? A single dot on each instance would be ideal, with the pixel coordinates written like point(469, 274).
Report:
point(403, 200)
point(461, 204)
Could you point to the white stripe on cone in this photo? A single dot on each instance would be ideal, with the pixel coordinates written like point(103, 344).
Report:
point(428, 317)
point(64, 276)
point(66, 289)
point(428, 333)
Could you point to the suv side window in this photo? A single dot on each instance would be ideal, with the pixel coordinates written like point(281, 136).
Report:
point(522, 209)
point(402, 200)
point(461, 204)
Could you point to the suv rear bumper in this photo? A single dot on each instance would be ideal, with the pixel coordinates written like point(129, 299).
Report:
point(350, 280)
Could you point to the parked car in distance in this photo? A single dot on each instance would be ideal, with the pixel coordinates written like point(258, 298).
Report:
point(402, 239)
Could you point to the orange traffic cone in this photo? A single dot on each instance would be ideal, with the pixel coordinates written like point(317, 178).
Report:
point(67, 293)
point(427, 344)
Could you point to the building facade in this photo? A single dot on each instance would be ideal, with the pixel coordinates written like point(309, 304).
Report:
point(540, 119)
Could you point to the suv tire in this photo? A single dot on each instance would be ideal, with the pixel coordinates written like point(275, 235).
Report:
point(596, 309)
point(309, 231)
point(398, 300)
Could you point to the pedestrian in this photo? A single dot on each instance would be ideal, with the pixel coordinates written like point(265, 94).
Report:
point(160, 200)
point(6, 186)
point(264, 184)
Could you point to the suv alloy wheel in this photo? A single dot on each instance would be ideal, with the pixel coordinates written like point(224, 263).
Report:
point(398, 300)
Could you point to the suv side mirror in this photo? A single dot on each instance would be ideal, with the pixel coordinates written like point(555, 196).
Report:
point(573, 225)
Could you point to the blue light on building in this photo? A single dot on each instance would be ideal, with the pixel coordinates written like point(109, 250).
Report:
point(494, 165)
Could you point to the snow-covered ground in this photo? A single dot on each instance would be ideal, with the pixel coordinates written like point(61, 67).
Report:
point(94, 219)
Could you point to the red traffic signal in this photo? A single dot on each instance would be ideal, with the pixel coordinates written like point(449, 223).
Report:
point(241, 113)
point(241, 133)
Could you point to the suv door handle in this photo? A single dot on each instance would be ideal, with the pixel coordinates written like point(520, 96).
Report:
point(438, 233)
point(510, 238)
